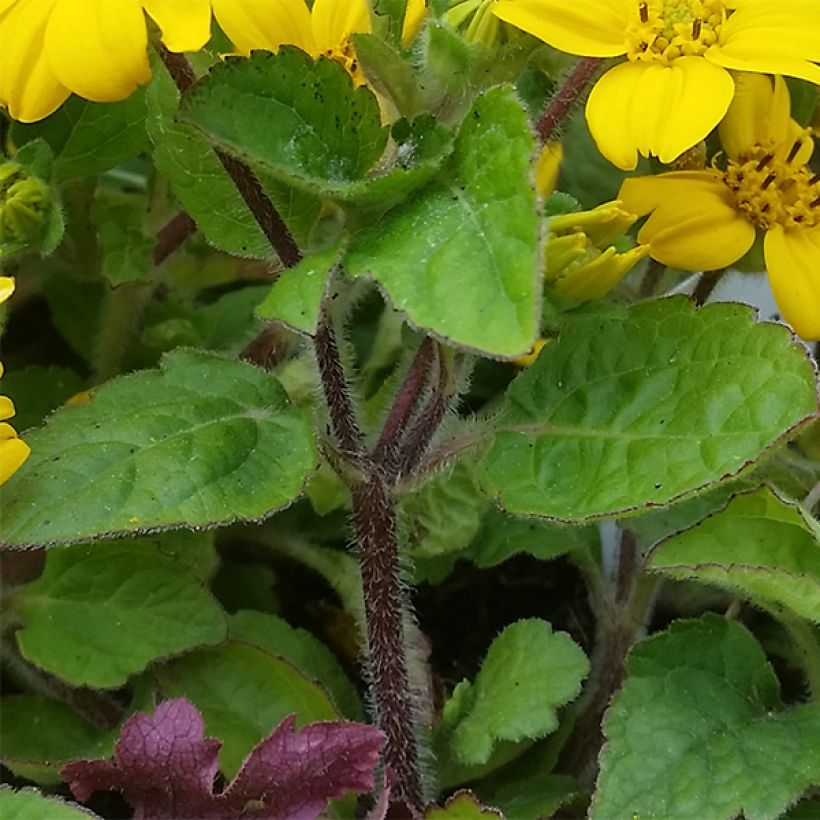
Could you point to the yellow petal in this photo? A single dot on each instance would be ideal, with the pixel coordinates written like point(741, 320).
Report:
point(693, 223)
point(13, 452)
point(656, 110)
point(104, 58)
point(547, 167)
point(6, 287)
point(588, 28)
point(185, 24)
point(265, 24)
point(6, 408)
point(759, 112)
point(773, 37)
point(28, 87)
point(333, 22)
point(413, 19)
point(793, 265)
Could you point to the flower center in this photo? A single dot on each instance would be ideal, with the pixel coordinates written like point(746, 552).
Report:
point(345, 54)
point(663, 30)
point(775, 187)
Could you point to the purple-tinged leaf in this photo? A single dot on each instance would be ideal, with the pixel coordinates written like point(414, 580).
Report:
point(166, 768)
point(295, 773)
point(162, 764)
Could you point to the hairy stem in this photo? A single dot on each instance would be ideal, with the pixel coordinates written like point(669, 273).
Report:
point(374, 510)
point(334, 386)
point(565, 97)
point(172, 235)
point(121, 308)
point(374, 516)
point(405, 402)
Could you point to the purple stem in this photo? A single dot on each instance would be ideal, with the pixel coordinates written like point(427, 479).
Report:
point(565, 97)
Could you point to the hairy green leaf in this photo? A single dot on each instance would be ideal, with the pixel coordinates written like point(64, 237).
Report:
point(125, 247)
point(639, 407)
point(243, 693)
point(529, 672)
point(100, 613)
point(29, 804)
point(760, 546)
point(302, 649)
point(296, 296)
point(300, 119)
point(696, 731)
point(461, 258)
point(88, 138)
point(202, 441)
point(38, 735)
point(198, 178)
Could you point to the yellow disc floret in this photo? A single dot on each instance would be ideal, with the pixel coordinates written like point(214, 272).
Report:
point(664, 30)
point(771, 187)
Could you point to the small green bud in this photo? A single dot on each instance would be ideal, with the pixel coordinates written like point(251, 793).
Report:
point(24, 204)
point(475, 21)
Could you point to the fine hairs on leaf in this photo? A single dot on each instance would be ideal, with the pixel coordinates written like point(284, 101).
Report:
point(166, 768)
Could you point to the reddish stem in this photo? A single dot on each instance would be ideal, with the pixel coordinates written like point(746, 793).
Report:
point(565, 97)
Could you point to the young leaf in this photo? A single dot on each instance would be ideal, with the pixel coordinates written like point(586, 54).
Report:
point(37, 735)
point(200, 442)
point(29, 804)
point(100, 613)
point(166, 768)
point(668, 398)
point(697, 731)
point(461, 258)
point(300, 648)
point(296, 296)
point(760, 546)
point(242, 692)
point(528, 673)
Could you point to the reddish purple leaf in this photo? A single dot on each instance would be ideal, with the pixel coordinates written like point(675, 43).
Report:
point(166, 768)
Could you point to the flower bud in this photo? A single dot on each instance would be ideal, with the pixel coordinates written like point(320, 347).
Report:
point(24, 203)
point(475, 21)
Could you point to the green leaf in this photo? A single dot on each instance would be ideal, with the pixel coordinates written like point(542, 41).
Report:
point(640, 407)
point(197, 177)
point(696, 731)
point(229, 323)
point(461, 806)
point(532, 796)
point(461, 258)
point(100, 613)
point(528, 673)
point(389, 73)
point(444, 515)
point(36, 391)
point(303, 650)
point(243, 693)
point(29, 804)
point(124, 245)
point(296, 296)
point(88, 138)
point(502, 536)
point(38, 735)
point(301, 119)
point(200, 442)
point(760, 546)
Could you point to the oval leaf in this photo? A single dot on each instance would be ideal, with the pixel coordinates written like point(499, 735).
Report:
point(640, 407)
point(201, 442)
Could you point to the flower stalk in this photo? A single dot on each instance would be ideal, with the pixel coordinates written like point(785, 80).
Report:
point(565, 98)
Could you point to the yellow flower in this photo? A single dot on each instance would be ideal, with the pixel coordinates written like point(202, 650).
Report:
point(706, 220)
point(323, 30)
point(13, 451)
point(94, 48)
point(476, 21)
point(674, 87)
point(580, 261)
